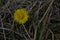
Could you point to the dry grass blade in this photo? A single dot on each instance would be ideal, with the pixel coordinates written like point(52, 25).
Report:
point(46, 11)
point(44, 19)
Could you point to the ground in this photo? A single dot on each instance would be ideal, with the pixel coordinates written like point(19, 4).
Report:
point(43, 22)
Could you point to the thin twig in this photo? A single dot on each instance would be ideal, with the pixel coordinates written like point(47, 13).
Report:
point(33, 5)
point(12, 31)
point(52, 34)
point(46, 11)
point(35, 34)
point(7, 4)
point(25, 37)
point(26, 31)
point(3, 27)
point(36, 13)
point(47, 24)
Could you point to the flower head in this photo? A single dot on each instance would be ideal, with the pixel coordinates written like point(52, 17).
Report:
point(21, 16)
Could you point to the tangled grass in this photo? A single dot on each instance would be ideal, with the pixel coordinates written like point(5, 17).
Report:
point(44, 18)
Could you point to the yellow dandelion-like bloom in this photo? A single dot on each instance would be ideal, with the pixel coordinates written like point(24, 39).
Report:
point(21, 16)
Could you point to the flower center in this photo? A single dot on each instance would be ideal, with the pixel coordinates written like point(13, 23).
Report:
point(21, 16)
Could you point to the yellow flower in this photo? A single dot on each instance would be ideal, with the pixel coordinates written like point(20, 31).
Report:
point(21, 16)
